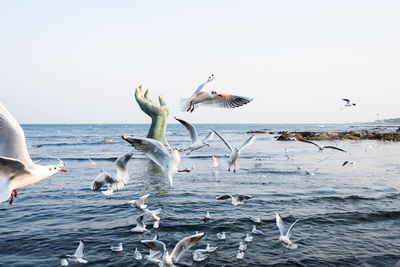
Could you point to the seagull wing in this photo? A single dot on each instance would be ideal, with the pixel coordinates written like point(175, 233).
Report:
point(142, 199)
point(223, 140)
point(280, 224)
point(122, 172)
point(10, 167)
point(209, 137)
point(101, 180)
point(333, 147)
point(154, 245)
point(190, 128)
point(12, 138)
point(139, 221)
point(310, 142)
point(153, 149)
point(248, 142)
point(243, 197)
point(347, 100)
point(80, 250)
point(289, 232)
point(344, 163)
point(185, 244)
point(227, 101)
point(223, 197)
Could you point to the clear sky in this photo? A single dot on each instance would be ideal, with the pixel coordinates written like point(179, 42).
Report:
point(80, 61)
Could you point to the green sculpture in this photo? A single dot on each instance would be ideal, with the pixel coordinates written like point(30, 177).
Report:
point(157, 113)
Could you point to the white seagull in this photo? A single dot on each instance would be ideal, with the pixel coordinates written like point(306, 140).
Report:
point(242, 246)
point(255, 231)
point(122, 175)
point(322, 147)
point(177, 252)
point(238, 200)
point(348, 102)
point(248, 238)
point(207, 216)
point(140, 226)
point(153, 213)
point(64, 262)
point(235, 152)
point(137, 255)
point(285, 235)
point(210, 249)
point(78, 255)
point(215, 162)
point(199, 255)
point(221, 236)
point(16, 167)
point(202, 97)
point(118, 248)
point(255, 219)
point(155, 151)
point(139, 204)
point(196, 142)
point(240, 255)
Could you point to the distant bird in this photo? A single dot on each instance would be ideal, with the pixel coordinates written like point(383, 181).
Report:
point(348, 102)
point(255, 219)
point(349, 162)
point(207, 216)
point(78, 255)
point(210, 249)
point(235, 200)
point(322, 147)
point(199, 255)
point(122, 175)
point(221, 236)
point(242, 246)
point(156, 224)
point(285, 235)
point(215, 162)
point(177, 252)
point(153, 213)
point(140, 226)
point(235, 152)
point(201, 97)
point(139, 204)
point(308, 172)
point(16, 167)
point(137, 255)
point(154, 150)
point(255, 231)
point(196, 142)
point(118, 248)
point(240, 255)
point(248, 238)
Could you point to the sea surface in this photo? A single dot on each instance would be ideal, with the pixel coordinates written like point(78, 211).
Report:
point(350, 216)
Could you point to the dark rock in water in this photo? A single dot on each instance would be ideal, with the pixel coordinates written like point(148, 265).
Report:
point(351, 135)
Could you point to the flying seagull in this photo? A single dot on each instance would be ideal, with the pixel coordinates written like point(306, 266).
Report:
point(139, 204)
point(196, 142)
point(322, 147)
point(140, 226)
point(154, 150)
point(235, 200)
point(78, 255)
point(202, 97)
point(235, 152)
point(285, 235)
point(348, 102)
point(16, 167)
point(177, 252)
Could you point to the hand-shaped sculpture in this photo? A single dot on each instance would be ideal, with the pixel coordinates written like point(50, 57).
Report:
point(157, 113)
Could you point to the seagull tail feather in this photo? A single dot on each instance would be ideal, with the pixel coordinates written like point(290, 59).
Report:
point(5, 190)
point(184, 104)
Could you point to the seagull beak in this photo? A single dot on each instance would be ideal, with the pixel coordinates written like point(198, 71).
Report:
point(62, 170)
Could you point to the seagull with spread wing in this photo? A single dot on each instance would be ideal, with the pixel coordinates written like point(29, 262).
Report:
point(17, 169)
point(322, 147)
point(348, 102)
point(285, 235)
point(238, 200)
point(180, 248)
point(235, 152)
point(78, 255)
point(202, 97)
point(196, 142)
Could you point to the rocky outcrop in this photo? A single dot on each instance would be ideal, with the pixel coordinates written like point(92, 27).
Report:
point(351, 135)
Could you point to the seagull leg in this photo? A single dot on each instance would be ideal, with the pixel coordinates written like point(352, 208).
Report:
point(229, 169)
point(234, 170)
point(15, 193)
point(12, 198)
point(192, 109)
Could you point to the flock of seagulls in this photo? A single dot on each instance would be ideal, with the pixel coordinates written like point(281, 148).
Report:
point(17, 171)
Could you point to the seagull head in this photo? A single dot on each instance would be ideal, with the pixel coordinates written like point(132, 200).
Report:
point(55, 169)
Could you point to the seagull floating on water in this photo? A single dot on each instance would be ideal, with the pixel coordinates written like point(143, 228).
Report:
point(242, 246)
point(155, 151)
point(238, 200)
point(177, 252)
point(285, 235)
point(235, 152)
point(322, 147)
point(210, 249)
point(207, 216)
point(215, 162)
point(221, 236)
point(196, 142)
point(202, 97)
point(248, 238)
point(137, 255)
point(139, 204)
point(17, 169)
point(140, 226)
point(118, 248)
point(78, 255)
point(199, 255)
point(240, 255)
point(255, 231)
point(255, 219)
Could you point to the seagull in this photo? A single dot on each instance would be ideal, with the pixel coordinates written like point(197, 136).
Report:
point(348, 103)
point(240, 255)
point(215, 162)
point(349, 162)
point(156, 224)
point(210, 249)
point(207, 216)
point(255, 231)
point(199, 255)
point(221, 236)
point(235, 152)
point(322, 147)
point(285, 235)
point(139, 204)
point(153, 213)
point(154, 256)
point(202, 97)
point(118, 248)
point(78, 255)
point(177, 252)
point(155, 151)
point(248, 238)
point(109, 192)
point(140, 226)
point(308, 172)
point(64, 262)
point(242, 246)
point(137, 255)
point(255, 219)
point(238, 200)
point(122, 175)
point(17, 169)
point(196, 142)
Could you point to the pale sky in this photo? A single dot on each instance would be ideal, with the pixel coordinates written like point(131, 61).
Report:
point(80, 61)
